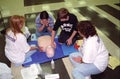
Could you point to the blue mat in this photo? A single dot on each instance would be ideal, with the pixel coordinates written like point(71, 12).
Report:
point(40, 57)
point(68, 49)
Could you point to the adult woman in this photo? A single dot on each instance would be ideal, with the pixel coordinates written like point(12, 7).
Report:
point(93, 56)
point(17, 48)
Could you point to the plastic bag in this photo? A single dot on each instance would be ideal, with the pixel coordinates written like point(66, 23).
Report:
point(5, 71)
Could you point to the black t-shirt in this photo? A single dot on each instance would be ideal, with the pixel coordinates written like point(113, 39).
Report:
point(67, 26)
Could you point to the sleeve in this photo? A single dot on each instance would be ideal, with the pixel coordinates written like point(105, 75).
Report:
point(37, 21)
point(27, 32)
point(22, 42)
point(75, 21)
point(57, 25)
point(90, 49)
point(51, 24)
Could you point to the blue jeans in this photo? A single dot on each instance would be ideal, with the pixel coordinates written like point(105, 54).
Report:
point(82, 70)
point(38, 34)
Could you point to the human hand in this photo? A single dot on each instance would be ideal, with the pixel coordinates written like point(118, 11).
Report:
point(34, 47)
point(41, 49)
point(53, 44)
point(45, 22)
point(42, 22)
point(77, 59)
point(69, 41)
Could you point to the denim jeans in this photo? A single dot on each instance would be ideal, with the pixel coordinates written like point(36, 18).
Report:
point(82, 70)
point(38, 34)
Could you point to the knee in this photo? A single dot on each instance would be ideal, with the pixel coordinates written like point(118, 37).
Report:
point(72, 55)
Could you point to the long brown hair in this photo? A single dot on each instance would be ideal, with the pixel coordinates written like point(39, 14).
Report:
point(86, 28)
point(14, 24)
point(22, 19)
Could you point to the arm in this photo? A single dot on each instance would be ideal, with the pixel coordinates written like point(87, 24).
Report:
point(69, 41)
point(74, 28)
point(39, 25)
point(56, 26)
point(78, 59)
point(34, 48)
point(51, 23)
point(49, 28)
point(41, 28)
point(22, 43)
point(27, 32)
point(90, 53)
point(52, 39)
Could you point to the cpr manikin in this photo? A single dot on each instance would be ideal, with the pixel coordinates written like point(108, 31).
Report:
point(44, 43)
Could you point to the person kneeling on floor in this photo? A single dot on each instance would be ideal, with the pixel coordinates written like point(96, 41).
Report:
point(17, 50)
point(92, 57)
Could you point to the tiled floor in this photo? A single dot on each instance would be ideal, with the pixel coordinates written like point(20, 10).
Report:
point(105, 14)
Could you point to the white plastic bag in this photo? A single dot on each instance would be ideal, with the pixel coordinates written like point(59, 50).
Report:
point(31, 72)
point(5, 71)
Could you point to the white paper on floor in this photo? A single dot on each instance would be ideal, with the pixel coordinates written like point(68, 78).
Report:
point(31, 72)
point(52, 76)
point(5, 70)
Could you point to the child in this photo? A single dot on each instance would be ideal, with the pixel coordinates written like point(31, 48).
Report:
point(67, 22)
point(44, 24)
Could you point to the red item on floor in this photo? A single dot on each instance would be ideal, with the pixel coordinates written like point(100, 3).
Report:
point(76, 46)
